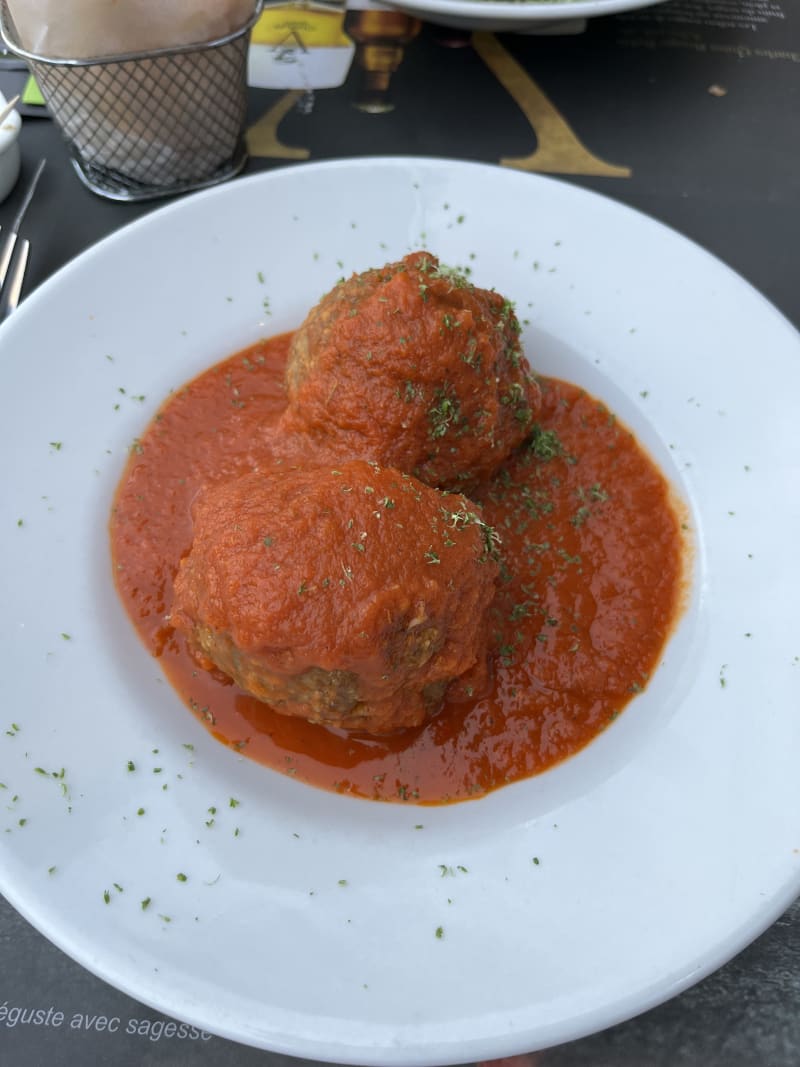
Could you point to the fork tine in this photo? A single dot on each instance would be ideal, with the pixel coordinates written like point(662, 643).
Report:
point(9, 108)
point(5, 257)
point(17, 278)
point(10, 242)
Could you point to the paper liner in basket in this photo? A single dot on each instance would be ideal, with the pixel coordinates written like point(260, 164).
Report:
point(84, 29)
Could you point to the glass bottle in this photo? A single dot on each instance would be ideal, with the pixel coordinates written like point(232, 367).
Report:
point(381, 38)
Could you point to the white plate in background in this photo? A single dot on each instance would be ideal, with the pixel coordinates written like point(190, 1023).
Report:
point(517, 16)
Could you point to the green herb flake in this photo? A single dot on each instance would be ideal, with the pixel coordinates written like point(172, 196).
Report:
point(443, 413)
point(545, 444)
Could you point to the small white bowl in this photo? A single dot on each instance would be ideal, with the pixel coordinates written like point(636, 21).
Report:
point(9, 150)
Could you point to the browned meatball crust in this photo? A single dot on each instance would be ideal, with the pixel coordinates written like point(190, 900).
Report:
point(351, 596)
point(412, 366)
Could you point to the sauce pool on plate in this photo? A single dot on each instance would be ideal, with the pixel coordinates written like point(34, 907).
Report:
point(590, 588)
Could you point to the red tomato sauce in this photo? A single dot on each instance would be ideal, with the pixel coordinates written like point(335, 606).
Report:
point(591, 586)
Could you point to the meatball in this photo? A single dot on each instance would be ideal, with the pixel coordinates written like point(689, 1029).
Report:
point(352, 596)
point(413, 367)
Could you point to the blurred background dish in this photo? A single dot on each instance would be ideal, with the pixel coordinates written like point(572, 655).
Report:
point(517, 16)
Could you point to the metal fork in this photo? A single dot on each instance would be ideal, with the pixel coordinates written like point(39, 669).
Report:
point(11, 294)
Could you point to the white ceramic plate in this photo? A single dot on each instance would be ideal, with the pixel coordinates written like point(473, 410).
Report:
point(517, 16)
point(663, 847)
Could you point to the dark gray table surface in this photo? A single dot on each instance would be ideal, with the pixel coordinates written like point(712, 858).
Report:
point(701, 101)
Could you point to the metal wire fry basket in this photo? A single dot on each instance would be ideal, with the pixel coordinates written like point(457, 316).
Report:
point(145, 125)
